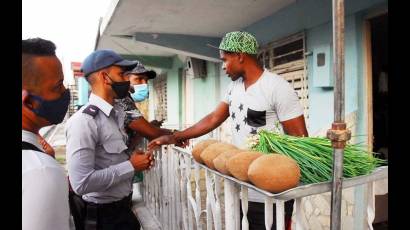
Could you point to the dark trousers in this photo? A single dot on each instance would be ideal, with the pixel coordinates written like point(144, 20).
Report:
point(77, 210)
point(256, 215)
point(117, 215)
point(117, 219)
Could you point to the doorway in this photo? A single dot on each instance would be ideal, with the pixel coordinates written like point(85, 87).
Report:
point(376, 71)
point(379, 49)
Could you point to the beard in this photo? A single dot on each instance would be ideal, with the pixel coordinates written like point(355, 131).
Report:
point(234, 76)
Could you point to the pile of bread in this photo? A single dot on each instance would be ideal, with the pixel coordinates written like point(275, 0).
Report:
point(271, 172)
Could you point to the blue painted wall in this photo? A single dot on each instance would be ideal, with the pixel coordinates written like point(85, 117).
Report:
point(314, 17)
point(174, 94)
point(83, 88)
point(224, 81)
point(206, 92)
point(321, 99)
point(301, 15)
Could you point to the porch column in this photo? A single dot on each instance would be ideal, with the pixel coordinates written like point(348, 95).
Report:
point(338, 133)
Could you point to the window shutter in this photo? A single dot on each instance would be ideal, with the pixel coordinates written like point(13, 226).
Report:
point(160, 99)
point(286, 57)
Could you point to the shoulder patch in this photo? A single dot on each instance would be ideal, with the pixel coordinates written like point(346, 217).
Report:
point(91, 110)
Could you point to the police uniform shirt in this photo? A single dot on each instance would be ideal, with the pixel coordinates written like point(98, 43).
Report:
point(44, 189)
point(98, 165)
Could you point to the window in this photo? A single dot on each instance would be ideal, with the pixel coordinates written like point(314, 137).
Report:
point(286, 58)
point(160, 99)
point(72, 108)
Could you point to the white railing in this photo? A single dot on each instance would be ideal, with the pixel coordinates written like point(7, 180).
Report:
point(172, 191)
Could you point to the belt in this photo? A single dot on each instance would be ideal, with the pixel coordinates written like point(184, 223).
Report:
point(124, 202)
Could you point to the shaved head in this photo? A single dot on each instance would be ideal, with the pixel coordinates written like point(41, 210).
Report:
point(43, 77)
point(33, 50)
point(92, 78)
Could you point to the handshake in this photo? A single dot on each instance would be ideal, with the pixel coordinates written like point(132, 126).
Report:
point(167, 140)
point(145, 160)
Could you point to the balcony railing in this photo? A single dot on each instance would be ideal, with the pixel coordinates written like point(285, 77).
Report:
point(173, 195)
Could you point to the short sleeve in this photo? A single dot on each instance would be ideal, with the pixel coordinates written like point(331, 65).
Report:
point(228, 93)
point(286, 102)
point(131, 111)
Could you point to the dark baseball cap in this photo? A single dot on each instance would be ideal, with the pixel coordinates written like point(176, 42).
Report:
point(101, 59)
point(140, 69)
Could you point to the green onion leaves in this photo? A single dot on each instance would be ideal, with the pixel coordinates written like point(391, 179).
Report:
point(315, 155)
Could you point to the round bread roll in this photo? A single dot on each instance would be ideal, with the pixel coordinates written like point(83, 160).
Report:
point(199, 147)
point(238, 164)
point(274, 173)
point(213, 150)
point(220, 161)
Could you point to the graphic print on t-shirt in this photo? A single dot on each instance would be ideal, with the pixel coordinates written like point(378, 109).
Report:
point(256, 118)
point(241, 107)
point(246, 119)
point(261, 105)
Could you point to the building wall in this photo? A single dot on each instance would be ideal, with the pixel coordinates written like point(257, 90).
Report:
point(224, 81)
point(201, 89)
point(83, 88)
point(314, 17)
point(204, 91)
point(206, 94)
point(173, 94)
point(300, 15)
point(361, 18)
point(321, 111)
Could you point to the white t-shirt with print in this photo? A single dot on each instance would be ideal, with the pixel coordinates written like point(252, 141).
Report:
point(266, 103)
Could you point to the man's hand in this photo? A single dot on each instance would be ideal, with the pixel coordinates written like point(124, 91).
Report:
point(157, 123)
point(46, 146)
point(141, 161)
point(163, 140)
point(182, 143)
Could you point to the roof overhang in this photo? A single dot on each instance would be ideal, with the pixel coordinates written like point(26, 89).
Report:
point(166, 28)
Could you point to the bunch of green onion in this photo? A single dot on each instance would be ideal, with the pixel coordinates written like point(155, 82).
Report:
point(315, 155)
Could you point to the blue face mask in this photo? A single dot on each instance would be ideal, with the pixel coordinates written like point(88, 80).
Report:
point(53, 111)
point(141, 92)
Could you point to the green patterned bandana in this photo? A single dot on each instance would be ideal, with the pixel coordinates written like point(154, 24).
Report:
point(239, 42)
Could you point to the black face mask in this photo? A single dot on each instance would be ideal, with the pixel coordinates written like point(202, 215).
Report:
point(120, 88)
point(53, 111)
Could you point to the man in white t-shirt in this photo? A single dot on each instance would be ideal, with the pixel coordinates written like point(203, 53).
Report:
point(45, 102)
point(256, 99)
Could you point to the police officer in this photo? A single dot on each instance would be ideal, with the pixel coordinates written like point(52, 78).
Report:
point(99, 168)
